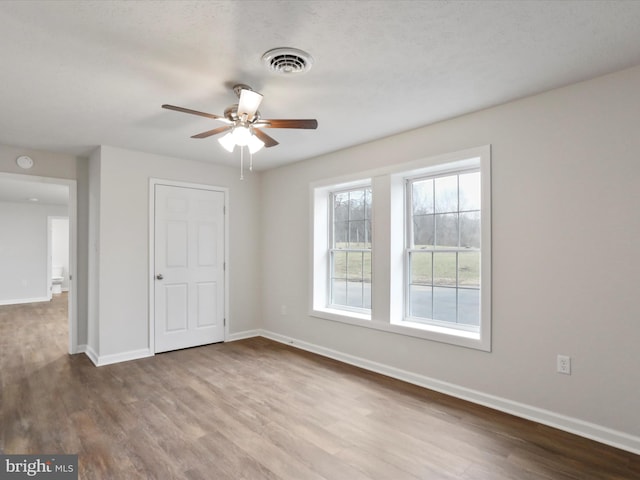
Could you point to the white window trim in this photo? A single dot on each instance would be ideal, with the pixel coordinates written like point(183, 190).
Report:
point(388, 251)
point(320, 245)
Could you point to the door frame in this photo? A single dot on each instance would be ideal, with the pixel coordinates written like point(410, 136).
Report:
point(152, 241)
point(72, 212)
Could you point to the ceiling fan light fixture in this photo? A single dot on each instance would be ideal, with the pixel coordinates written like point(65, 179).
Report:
point(227, 141)
point(254, 144)
point(241, 135)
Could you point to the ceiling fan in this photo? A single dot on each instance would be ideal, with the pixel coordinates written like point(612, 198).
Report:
point(243, 123)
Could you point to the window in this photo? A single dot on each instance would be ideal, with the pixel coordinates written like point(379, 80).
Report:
point(341, 250)
point(443, 250)
point(407, 249)
point(350, 249)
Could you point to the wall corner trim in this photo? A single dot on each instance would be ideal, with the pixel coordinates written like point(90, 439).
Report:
point(93, 356)
point(614, 438)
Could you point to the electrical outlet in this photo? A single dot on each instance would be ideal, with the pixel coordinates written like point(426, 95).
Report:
point(564, 364)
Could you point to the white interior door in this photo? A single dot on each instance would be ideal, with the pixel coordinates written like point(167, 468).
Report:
point(189, 267)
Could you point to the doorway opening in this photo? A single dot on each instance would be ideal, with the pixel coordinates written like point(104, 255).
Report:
point(58, 255)
point(27, 204)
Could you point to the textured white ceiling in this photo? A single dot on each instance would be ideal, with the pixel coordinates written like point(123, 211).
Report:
point(77, 74)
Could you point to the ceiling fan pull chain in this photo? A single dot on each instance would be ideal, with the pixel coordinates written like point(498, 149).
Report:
point(250, 161)
point(241, 163)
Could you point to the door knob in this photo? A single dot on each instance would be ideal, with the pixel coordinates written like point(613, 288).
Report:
point(159, 276)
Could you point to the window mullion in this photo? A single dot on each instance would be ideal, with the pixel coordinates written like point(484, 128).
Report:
point(457, 286)
point(433, 262)
point(332, 244)
point(362, 279)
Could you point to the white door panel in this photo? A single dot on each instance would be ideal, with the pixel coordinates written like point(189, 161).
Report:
point(176, 244)
point(176, 307)
point(189, 261)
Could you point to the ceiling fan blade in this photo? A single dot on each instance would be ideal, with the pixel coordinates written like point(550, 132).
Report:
point(280, 123)
point(194, 112)
point(215, 131)
point(268, 141)
point(248, 103)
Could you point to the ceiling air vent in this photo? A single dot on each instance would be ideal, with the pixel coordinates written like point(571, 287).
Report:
point(287, 61)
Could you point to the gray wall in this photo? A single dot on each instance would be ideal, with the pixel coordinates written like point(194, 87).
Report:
point(82, 248)
point(93, 252)
point(121, 243)
point(565, 261)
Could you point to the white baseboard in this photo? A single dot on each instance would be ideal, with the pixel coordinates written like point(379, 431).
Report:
point(614, 438)
point(93, 356)
point(19, 301)
point(102, 360)
point(81, 349)
point(242, 335)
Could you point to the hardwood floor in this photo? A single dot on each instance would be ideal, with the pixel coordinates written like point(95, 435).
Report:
point(255, 409)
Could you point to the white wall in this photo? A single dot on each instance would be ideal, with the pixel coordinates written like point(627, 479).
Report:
point(122, 244)
point(566, 224)
point(23, 251)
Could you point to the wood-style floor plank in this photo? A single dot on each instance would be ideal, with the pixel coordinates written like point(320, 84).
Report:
point(254, 410)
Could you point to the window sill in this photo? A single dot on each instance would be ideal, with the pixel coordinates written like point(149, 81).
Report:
point(345, 316)
point(438, 329)
point(434, 333)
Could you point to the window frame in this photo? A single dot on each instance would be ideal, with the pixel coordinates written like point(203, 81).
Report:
point(333, 249)
point(388, 241)
point(411, 249)
point(320, 285)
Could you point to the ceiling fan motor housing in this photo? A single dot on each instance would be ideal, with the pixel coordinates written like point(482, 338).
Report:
point(231, 113)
